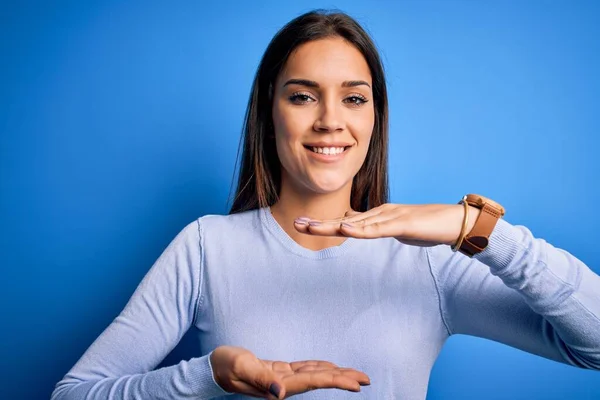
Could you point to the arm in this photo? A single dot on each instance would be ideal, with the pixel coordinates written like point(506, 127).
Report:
point(523, 292)
point(120, 363)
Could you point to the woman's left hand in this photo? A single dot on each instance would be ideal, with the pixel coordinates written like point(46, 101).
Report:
point(421, 225)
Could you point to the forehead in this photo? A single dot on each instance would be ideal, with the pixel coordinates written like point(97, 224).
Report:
point(330, 60)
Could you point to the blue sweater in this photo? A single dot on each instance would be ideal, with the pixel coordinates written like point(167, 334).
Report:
point(376, 305)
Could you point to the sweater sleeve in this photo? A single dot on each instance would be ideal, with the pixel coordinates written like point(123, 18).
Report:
point(523, 292)
point(120, 362)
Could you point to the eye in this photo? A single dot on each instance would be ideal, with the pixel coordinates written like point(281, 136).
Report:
point(355, 100)
point(301, 98)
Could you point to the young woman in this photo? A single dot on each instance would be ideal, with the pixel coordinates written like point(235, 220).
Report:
point(288, 277)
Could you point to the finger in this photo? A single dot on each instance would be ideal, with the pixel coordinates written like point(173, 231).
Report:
point(313, 368)
point(278, 366)
point(305, 220)
point(283, 368)
point(263, 379)
point(377, 218)
point(323, 229)
point(347, 215)
point(304, 225)
point(318, 228)
point(364, 215)
point(301, 226)
point(400, 223)
point(350, 215)
point(306, 381)
point(374, 229)
point(318, 363)
point(357, 216)
point(332, 227)
point(358, 376)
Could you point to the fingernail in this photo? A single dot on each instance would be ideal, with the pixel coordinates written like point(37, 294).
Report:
point(346, 225)
point(274, 389)
point(314, 223)
point(301, 221)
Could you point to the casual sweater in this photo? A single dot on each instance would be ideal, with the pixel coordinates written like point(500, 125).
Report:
point(376, 305)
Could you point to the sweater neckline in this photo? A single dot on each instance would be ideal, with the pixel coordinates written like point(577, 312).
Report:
point(290, 244)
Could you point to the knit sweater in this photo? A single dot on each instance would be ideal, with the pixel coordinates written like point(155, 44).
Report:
point(376, 305)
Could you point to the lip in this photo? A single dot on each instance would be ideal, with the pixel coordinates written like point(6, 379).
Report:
point(325, 144)
point(328, 158)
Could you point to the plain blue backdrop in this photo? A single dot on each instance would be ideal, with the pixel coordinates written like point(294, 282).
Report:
point(120, 123)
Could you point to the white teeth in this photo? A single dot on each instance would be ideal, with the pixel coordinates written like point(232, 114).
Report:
point(328, 150)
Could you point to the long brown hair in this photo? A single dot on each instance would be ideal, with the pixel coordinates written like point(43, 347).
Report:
point(259, 178)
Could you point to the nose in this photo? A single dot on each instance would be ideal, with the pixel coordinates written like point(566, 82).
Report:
point(329, 119)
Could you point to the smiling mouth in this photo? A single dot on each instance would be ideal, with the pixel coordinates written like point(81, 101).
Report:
point(327, 151)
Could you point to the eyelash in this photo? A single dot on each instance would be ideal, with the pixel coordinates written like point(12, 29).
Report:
point(294, 98)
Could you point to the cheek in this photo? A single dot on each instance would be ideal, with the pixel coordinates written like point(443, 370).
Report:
point(290, 122)
point(284, 143)
point(290, 127)
point(363, 129)
point(284, 151)
point(361, 156)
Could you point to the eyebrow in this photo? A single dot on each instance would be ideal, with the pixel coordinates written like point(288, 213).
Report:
point(313, 84)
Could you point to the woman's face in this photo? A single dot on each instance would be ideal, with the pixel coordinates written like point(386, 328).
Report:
point(323, 115)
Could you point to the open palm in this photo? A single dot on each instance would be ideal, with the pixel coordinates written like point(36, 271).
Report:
point(302, 376)
point(238, 370)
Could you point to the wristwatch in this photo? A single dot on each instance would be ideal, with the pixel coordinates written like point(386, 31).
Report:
point(478, 238)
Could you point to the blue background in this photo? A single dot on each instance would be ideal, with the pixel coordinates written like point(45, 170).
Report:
point(120, 122)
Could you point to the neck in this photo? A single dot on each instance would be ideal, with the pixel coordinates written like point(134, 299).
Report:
point(294, 203)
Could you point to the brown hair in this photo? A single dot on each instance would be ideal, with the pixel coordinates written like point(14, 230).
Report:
point(259, 177)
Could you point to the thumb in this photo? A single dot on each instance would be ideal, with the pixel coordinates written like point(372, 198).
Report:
point(265, 380)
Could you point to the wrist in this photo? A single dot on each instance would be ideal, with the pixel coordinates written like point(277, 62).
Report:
point(214, 362)
point(473, 216)
point(471, 220)
point(483, 214)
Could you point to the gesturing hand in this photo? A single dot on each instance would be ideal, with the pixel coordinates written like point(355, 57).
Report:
point(422, 225)
point(238, 370)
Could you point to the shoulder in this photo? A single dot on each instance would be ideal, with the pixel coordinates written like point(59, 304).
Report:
point(214, 224)
point(243, 220)
point(219, 228)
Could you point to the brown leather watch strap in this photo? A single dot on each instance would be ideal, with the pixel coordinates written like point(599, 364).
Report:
point(478, 238)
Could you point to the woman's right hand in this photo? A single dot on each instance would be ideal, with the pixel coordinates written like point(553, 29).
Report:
point(237, 370)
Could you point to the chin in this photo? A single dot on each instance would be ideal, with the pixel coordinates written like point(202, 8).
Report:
point(329, 186)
